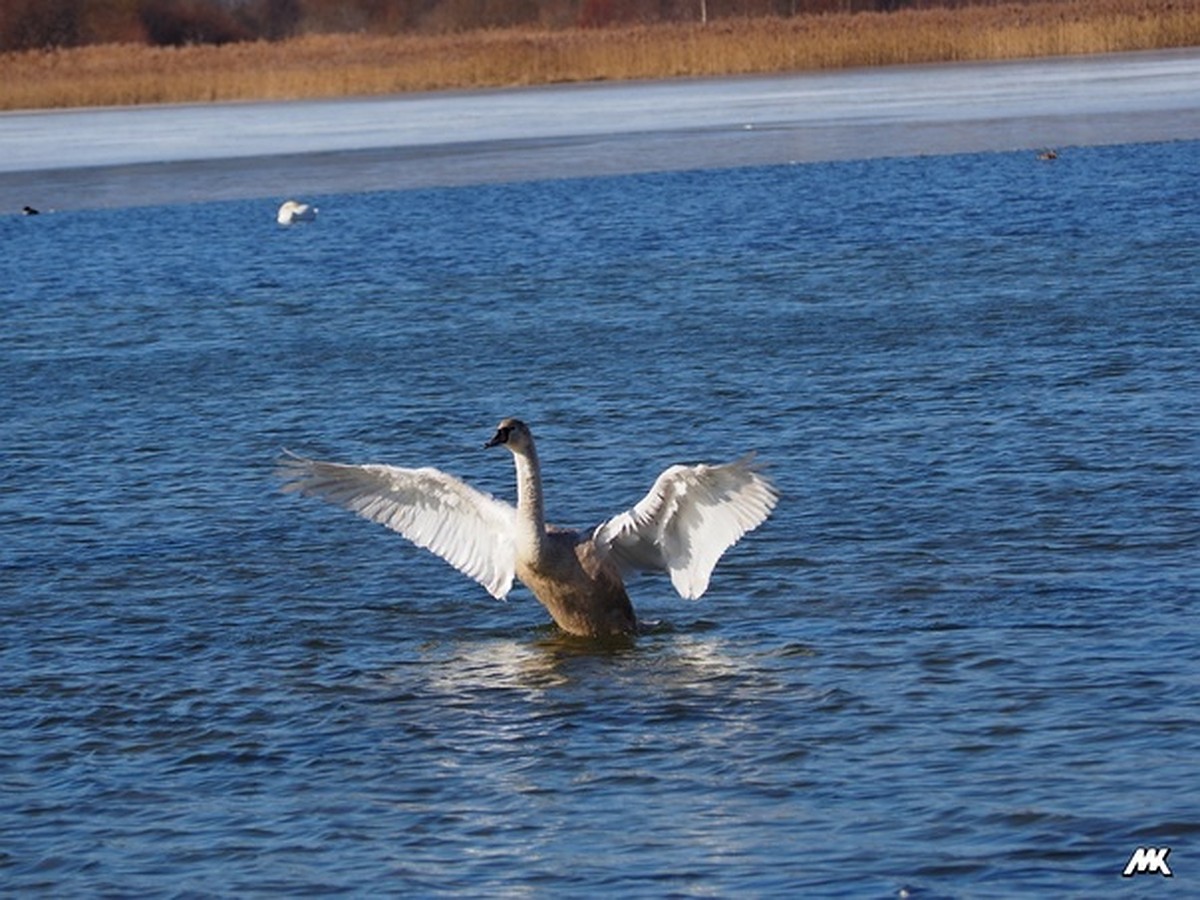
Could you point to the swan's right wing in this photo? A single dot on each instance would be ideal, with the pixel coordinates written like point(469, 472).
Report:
point(691, 516)
point(467, 528)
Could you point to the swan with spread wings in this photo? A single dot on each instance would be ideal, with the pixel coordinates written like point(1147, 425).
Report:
point(690, 517)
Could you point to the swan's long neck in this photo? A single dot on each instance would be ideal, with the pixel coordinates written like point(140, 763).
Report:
point(531, 514)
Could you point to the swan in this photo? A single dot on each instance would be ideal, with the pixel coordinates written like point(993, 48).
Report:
point(292, 211)
point(690, 517)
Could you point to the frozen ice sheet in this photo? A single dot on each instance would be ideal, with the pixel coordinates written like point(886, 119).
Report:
point(125, 156)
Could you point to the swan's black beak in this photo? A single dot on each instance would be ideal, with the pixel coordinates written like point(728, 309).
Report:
point(500, 437)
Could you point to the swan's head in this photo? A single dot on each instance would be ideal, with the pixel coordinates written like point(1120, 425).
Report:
point(513, 434)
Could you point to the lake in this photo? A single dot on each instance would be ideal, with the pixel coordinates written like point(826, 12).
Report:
point(961, 658)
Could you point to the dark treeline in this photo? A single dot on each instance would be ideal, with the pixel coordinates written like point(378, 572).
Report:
point(41, 24)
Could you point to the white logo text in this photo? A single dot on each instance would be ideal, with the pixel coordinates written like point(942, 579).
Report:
point(1147, 861)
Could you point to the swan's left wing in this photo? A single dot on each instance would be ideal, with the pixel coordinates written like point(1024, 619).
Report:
point(691, 516)
point(467, 528)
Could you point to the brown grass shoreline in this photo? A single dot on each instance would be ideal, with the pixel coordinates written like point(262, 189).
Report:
point(334, 65)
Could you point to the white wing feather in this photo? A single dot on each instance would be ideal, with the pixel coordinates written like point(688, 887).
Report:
point(467, 528)
point(691, 516)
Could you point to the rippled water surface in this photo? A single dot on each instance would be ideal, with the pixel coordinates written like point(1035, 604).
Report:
point(960, 660)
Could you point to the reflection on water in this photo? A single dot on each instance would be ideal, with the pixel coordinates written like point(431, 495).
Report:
point(662, 660)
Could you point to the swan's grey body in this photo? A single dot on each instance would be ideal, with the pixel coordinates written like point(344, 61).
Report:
point(691, 516)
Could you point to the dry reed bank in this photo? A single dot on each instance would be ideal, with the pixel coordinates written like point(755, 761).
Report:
point(331, 65)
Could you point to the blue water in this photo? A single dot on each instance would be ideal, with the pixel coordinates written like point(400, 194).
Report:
point(961, 659)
